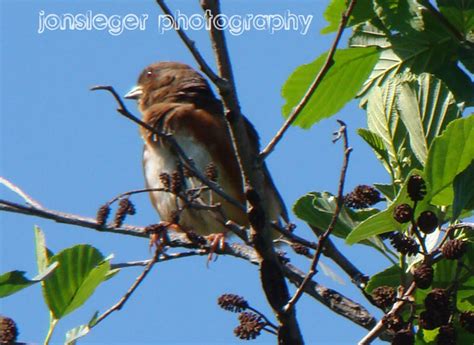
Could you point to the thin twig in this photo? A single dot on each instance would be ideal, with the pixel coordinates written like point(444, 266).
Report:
point(138, 281)
point(135, 191)
point(314, 85)
point(15, 189)
point(330, 250)
point(262, 315)
point(122, 109)
point(380, 326)
point(162, 258)
point(190, 44)
point(322, 239)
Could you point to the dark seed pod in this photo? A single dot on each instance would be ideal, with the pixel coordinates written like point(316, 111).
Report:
point(250, 326)
point(404, 337)
point(125, 207)
point(466, 319)
point(8, 330)
point(416, 188)
point(427, 222)
point(446, 335)
point(431, 319)
point(405, 245)
point(438, 301)
point(403, 213)
point(103, 214)
point(384, 296)
point(176, 182)
point(423, 276)
point(300, 249)
point(454, 249)
point(165, 180)
point(211, 172)
point(362, 197)
point(233, 303)
point(394, 322)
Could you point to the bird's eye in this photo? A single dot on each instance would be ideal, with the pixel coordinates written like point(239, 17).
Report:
point(149, 74)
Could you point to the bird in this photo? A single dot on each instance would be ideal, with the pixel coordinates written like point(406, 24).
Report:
point(176, 100)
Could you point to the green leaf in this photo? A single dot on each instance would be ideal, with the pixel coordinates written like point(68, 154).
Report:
point(389, 190)
point(425, 106)
point(351, 68)
point(317, 210)
point(463, 187)
point(14, 281)
point(384, 121)
point(449, 155)
point(78, 332)
point(42, 259)
point(74, 334)
point(376, 143)
point(417, 53)
point(368, 35)
point(362, 12)
point(460, 13)
point(399, 15)
point(407, 113)
point(81, 269)
point(390, 277)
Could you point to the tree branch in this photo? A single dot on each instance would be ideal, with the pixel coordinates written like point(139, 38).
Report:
point(333, 300)
point(323, 238)
point(314, 85)
point(254, 180)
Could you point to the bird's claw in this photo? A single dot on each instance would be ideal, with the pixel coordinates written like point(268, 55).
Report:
point(216, 241)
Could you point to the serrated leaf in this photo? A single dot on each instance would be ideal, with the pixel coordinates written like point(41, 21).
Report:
point(81, 269)
point(399, 15)
point(463, 187)
point(42, 259)
point(383, 120)
point(449, 155)
point(351, 68)
point(407, 105)
point(368, 35)
point(409, 110)
point(390, 277)
point(362, 12)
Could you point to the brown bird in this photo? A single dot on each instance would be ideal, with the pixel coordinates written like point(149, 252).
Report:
point(175, 99)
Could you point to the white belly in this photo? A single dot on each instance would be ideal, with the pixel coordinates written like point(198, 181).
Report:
point(157, 160)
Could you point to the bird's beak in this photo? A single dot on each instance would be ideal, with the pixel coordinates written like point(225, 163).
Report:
point(134, 93)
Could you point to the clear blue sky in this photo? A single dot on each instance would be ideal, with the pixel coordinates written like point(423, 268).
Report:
point(69, 149)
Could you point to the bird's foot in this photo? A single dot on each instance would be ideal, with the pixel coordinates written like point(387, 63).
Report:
point(159, 235)
point(216, 241)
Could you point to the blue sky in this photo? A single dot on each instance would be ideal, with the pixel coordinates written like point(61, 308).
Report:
point(69, 149)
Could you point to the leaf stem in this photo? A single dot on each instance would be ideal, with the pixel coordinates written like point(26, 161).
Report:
point(52, 325)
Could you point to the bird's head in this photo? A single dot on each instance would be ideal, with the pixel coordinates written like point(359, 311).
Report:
point(171, 82)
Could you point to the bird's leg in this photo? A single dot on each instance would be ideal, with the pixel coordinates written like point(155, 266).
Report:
point(158, 234)
point(216, 241)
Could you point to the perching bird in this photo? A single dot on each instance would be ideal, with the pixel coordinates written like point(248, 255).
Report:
point(175, 99)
